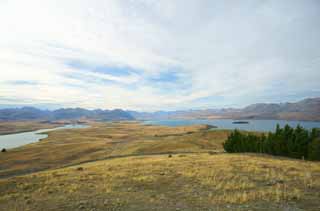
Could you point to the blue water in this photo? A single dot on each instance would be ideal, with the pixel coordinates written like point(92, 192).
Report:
point(254, 125)
point(19, 139)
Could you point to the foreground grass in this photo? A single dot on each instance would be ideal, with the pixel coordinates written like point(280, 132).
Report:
point(105, 140)
point(182, 182)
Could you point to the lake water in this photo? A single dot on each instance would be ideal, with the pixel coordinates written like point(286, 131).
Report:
point(254, 125)
point(19, 139)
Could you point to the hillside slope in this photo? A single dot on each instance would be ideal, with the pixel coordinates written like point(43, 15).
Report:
point(182, 182)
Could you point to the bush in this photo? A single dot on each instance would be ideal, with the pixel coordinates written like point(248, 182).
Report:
point(291, 142)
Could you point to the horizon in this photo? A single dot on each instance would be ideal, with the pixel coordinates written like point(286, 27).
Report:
point(144, 111)
point(158, 56)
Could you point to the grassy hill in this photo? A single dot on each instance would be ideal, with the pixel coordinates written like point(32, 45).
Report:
point(182, 182)
point(129, 166)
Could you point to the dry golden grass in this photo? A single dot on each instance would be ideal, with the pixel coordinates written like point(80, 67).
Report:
point(104, 140)
point(125, 166)
point(183, 182)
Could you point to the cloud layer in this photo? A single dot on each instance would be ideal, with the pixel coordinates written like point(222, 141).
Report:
point(150, 55)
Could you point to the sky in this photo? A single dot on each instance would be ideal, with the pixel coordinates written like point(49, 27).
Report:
point(152, 55)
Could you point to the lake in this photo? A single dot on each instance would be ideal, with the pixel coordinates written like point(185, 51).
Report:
point(19, 139)
point(253, 125)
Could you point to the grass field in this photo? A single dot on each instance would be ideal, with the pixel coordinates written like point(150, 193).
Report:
point(129, 166)
point(104, 140)
point(182, 182)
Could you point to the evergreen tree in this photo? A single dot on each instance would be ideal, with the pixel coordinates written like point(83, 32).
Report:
point(292, 142)
point(314, 149)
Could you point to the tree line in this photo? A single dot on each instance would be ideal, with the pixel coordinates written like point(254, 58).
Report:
point(287, 141)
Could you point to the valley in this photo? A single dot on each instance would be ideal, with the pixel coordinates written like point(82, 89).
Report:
point(131, 166)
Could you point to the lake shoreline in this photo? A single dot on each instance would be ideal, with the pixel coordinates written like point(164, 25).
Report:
point(7, 128)
point(20, 139)
point(26, 131)
point(265, 125)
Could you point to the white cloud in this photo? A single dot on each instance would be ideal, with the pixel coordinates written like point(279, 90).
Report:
point(241, 52)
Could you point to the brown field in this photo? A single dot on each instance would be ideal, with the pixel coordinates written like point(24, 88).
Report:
point(19, 127)
point(105, 140)
point(126, 166)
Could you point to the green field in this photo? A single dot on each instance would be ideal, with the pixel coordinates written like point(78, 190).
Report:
point(130, 166)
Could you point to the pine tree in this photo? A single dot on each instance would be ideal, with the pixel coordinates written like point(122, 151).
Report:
point(292, 142)
point(314, 149)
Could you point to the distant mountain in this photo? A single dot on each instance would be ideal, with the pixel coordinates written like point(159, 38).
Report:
point(116, 114)
point(308, 109)
point(25, 113)
point(30, 113)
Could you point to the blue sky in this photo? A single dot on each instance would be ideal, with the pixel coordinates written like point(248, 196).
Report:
point(158, 55)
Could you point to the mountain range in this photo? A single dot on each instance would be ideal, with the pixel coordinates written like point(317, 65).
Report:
point(307, 109)
point(31, 113)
